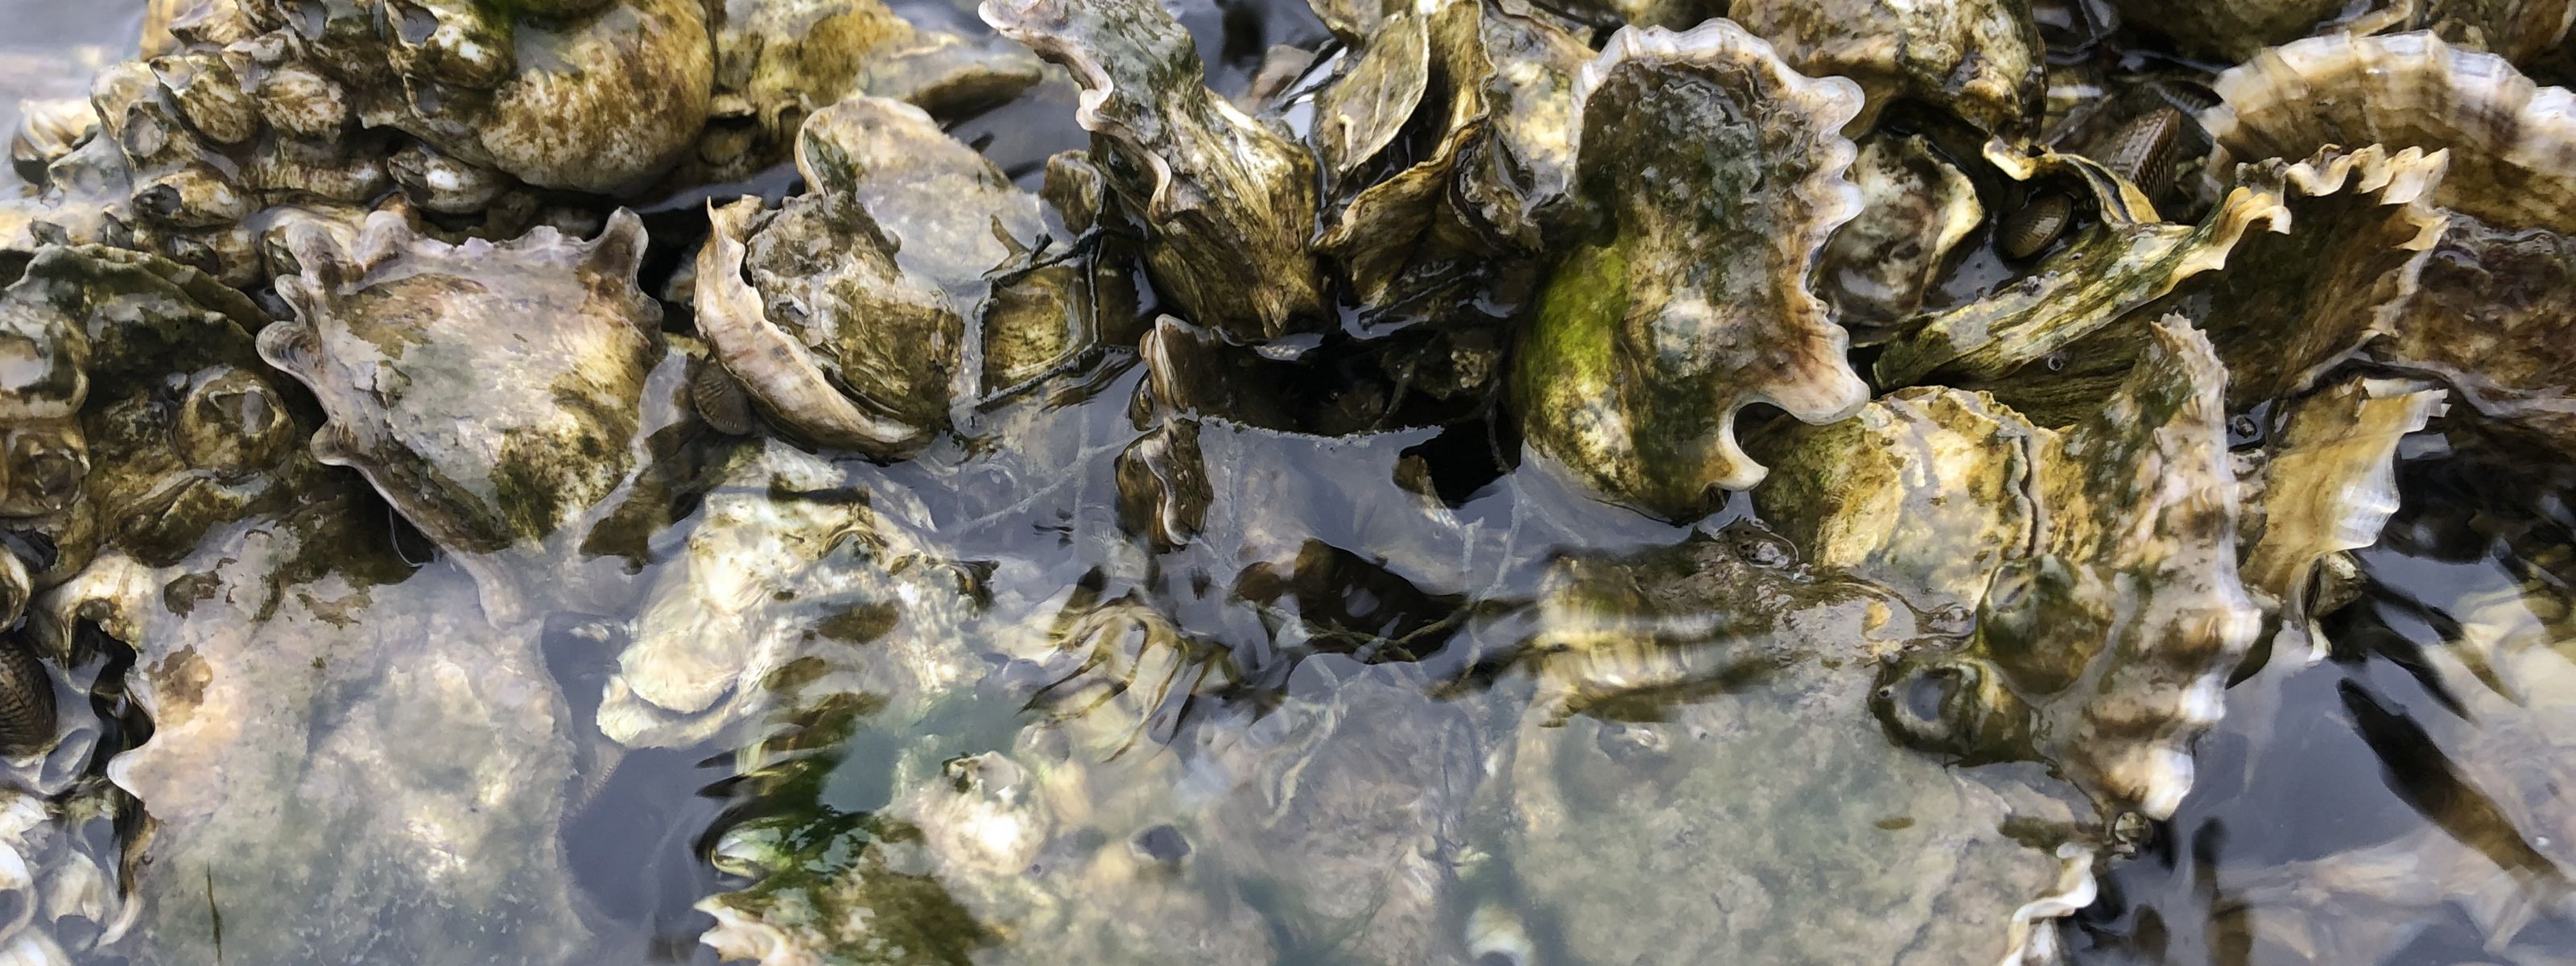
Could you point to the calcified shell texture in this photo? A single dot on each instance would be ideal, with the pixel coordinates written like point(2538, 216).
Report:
point(1456, 482)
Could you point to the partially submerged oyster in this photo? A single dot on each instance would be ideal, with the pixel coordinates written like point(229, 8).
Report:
point(2101, 567)
point(915, 281)
point(1230, 201)
point(1692, 303)
point(493, 393)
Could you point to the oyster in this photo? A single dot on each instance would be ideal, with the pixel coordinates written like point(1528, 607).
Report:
point(776, 61)
point(144, 417)
point(334, 741)
point(2102, 569)
point(1916, 208)
point(786, 569)
point(1517, 181)
point(2508, 138)
point(1230, 202)
point(2328, 486)
point(2522, 30)
point(2345, 234)
point(911, 284)
point(1242, 837)
point(595, 96)
point(1722, 794)
point(494, 393)
point(1693, 303)
point(1979, 59)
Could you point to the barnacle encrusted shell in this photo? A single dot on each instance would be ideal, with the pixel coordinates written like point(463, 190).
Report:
point(1690, 671)
point(2509, 139)
point(901, 287)
point(1230, 201)
point(2328, 484)
point(43, 384)
point(1720, 171)
point(2112, 614)
point(492, 392)
point(1978, 59)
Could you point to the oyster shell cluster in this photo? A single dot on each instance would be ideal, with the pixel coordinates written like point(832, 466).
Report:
point(1596, 482)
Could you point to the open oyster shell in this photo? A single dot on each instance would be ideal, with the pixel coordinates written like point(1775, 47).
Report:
point(2110, 610)
point(1692, 302)
point(1230, 201)
point(493, 393)
point(1978, 59)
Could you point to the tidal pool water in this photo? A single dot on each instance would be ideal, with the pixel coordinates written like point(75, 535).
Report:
point(1409, 552)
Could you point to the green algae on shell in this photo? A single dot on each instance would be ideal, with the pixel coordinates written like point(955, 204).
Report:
point(1693, 302)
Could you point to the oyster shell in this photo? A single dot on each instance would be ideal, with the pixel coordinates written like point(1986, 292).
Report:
point(2508, 138)
point(786, 569)
point(333, 743)
point(1978, 59)
point(2351, 226)
point(1230, 202)
point(2328, 486)
point(1517, 181)
point(1693, 303)
point(2109, 608)
point(1916, 208)
point(776, 60)
point(1633, 829)
point(493, 393)
point(2522, 30)
point(909, 285)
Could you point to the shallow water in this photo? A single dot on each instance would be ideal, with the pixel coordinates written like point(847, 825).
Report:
point(1317, 558)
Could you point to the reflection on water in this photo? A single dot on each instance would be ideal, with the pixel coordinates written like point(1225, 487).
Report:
point(1388, 696)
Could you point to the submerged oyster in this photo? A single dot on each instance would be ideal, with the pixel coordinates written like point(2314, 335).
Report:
point(1693, 302)
point(786, 570)
point(333, 743)
point(1229, 201)
point(493, 393)
point(914, 281)
point(2100, 562)
point(1979, 59)
point(1723, 794)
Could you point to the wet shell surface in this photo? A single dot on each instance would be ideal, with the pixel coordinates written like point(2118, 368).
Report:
point(1646, 344)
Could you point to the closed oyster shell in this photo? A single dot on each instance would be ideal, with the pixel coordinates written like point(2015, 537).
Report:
point(1978, 59)
point(2509, 139)
point(907, 286)
point(2521, 30)
point(784, 564)
point(493, 393)
point(1230, 201)
point(1517, 180)
point(2110, 610)
point(1693, 303)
